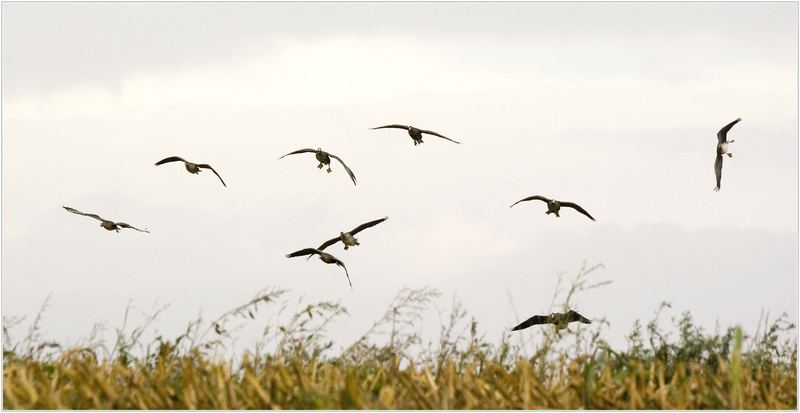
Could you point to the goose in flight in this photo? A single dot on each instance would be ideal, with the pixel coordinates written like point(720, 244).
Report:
point(108, 225)
point(415, 133)
point(554, 206)
point(192, 168)
point(722, 149)
point(348, 238)
point(560, 320)
point(324, 256)
point(324, 158)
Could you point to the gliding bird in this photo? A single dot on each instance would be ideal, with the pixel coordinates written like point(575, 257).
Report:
point(324, 256)
point(348, 238)
point(324, 158)
point(554, 206)
point(108, 225)
point(560, 320)
point(416, 133)
point(192, 168)
point(722, 149)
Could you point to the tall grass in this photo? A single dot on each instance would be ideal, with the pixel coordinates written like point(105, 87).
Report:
point(294, 365)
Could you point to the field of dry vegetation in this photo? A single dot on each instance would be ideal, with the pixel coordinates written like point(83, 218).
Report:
point(391, 367)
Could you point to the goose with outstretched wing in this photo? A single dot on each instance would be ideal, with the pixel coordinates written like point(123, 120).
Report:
point(415, 133)
point(348, 238)
point(105, 223)
point(324, 158)
point(722, 149)
point(191, 167)
point(560, 320)
point(324, 256)
point(554, 206)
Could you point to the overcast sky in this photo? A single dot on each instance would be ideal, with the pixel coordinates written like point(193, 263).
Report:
point(613, 106)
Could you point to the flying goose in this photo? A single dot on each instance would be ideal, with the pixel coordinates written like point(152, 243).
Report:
point(324, 256)
point(348, 238)
point(415, 133)
point(192, 168)
point(560, 320)
point(109, 225)
point(722, 149)
point(324, 158)
point(554, 206)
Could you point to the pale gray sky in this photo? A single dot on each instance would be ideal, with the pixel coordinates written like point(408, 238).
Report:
point(613, 106)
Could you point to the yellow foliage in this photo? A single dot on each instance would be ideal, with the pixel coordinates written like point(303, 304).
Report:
point(77, 381)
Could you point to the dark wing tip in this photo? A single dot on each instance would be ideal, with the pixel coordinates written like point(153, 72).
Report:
point(523, 325)
point(575, 316)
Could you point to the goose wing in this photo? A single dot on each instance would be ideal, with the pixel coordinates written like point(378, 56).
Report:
point(530, 198)
point(362, 227)
point(341, 264)
point(124, 225)
point(328, 243)
point(395, 126)
point(430, 132)
point(718, 171)
point(537, 319)
point(722, 135)
point(75, 211)
point(346, 168)
point(577, 208)
point(170, 159)
point(207, 166)
point(302, 252)
point(574, 316)
point(298, 151)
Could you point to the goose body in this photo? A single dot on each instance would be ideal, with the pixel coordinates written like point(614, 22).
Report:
point(722, 149)
point(348, 240)
point(323, 158)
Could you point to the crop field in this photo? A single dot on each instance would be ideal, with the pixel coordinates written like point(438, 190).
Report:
point(389, 367)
